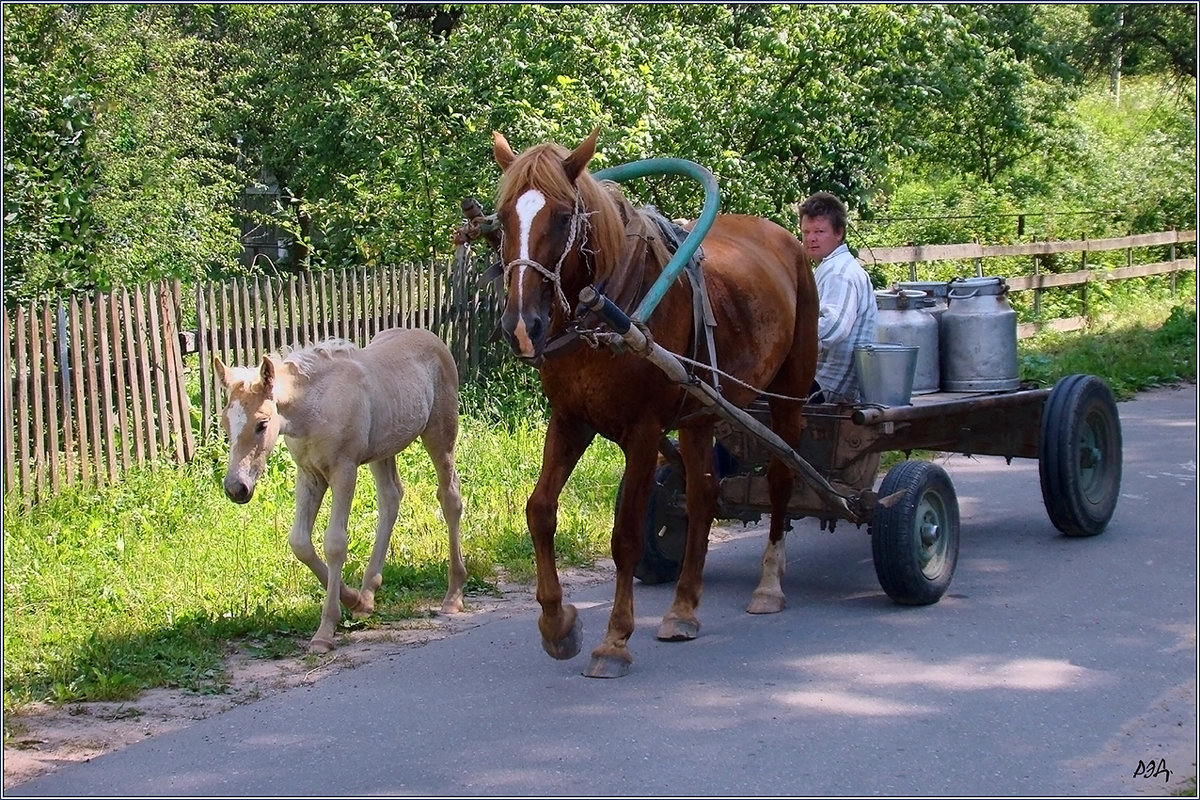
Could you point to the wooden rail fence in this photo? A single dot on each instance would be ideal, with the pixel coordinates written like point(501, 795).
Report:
point(98, 384)
point(1040, 281)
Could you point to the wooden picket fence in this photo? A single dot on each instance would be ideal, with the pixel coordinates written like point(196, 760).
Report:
point(98, 384)
point(95, 385)
point(242, 320)
point(101, 383)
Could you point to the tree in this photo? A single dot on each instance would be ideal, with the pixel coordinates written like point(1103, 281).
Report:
point(111, 174)
point(1140, 39)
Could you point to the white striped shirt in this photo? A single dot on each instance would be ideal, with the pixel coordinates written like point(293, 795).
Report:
point(848, 314)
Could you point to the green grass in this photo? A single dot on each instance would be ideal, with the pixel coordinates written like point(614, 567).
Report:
point(153, 581)
point(1145, 348)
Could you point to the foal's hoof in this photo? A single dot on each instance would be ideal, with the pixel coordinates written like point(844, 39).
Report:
point(365, 606)
point(452, 605)
point(566, 647)
point(356, 602)
point(678, 629)
point(607, 667)
point(320, 646)
point(763, 603)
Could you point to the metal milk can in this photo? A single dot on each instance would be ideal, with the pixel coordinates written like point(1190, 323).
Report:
point(903, 318)
point(936, 295)
point(978, 337)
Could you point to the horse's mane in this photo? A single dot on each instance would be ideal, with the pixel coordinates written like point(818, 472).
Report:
point(541, 167)
point(307, 359)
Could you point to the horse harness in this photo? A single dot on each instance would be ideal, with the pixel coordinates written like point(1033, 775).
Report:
point(645, 228)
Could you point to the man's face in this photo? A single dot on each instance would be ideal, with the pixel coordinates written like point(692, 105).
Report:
point(819, 237)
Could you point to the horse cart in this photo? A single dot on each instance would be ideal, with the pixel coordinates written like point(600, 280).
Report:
point(1072, 429)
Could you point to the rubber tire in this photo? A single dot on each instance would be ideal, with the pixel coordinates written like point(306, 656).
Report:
point(913, 572)
point(1079, 455)
point(662, 556)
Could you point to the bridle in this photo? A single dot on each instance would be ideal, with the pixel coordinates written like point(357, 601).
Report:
point(578, 229)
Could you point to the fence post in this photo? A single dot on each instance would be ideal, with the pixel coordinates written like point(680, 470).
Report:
point(1037, 292)
point(1083, 289)
point(1174, 273)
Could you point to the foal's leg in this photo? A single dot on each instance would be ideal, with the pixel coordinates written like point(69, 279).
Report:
point(559, 624)
point(440, 446)
point(768, 597)
point(389, 492)
point(695, 448)
point(336, 544)
point(310, 490)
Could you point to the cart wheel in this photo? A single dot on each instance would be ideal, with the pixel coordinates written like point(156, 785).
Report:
point(1079, 455)
point(914, 542)
point(665, 532)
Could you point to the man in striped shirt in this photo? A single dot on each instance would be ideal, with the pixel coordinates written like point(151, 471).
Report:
point(845, 295)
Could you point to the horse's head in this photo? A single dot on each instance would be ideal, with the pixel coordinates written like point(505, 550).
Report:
point(252, 422)
point(556, 224)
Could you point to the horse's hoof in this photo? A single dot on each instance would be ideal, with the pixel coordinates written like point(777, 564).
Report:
point(765, 604)
point(566, 647)
point(678, 630)
point(607, 667)
point(452, 605)
point(320, 646)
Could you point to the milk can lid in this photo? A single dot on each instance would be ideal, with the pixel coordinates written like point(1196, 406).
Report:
point(897, 299)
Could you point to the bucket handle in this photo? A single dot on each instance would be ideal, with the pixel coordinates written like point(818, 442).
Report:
point(952, 295)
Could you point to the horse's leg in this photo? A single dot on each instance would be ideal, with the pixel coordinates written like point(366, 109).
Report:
point(559, 624)
point(612, 658)
point(310, 490)
point(388, 492)
point(695, 448)
point(768, 598)
point(336, 545)
point(440, 446)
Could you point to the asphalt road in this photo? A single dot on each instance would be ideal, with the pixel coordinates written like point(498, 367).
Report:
point(1053, 666)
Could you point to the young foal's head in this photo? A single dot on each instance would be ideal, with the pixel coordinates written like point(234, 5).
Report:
point(252, 422)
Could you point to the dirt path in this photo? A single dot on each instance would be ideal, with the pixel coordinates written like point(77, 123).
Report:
point(44, 737)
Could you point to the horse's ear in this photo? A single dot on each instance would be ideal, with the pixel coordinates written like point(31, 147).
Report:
point(500, 149)
point(267, 372)
point(574, 163)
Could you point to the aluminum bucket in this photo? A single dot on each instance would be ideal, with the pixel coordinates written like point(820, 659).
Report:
point(886, 372)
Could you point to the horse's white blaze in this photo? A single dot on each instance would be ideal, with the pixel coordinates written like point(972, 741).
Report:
point(528, 206)
point(237, 419)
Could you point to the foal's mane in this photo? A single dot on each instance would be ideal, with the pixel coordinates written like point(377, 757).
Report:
point(541, 167)
point(308, 359)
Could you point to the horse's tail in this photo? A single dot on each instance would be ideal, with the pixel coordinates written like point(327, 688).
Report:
point(807, 312)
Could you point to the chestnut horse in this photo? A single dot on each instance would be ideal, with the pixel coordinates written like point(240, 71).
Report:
point(338, 407)
point(562, 230)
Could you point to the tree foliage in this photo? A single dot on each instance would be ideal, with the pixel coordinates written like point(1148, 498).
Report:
point(131, 131)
